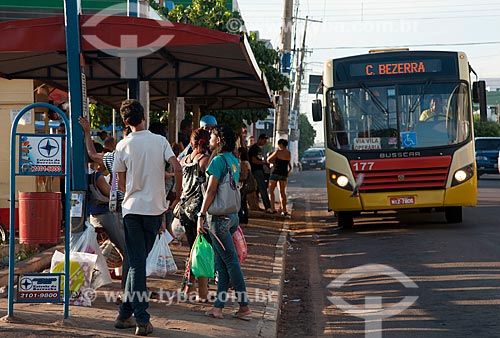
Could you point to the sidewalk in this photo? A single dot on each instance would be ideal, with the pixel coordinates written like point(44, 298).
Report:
point(263, 271)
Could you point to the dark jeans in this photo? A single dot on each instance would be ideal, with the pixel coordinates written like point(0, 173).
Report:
point(140, 234)
point(262, 187)
point(227, 264)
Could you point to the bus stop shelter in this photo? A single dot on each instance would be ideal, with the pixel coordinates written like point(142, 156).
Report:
point(211, 68)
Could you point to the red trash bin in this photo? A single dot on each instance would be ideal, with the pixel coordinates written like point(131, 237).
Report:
point(39, 217)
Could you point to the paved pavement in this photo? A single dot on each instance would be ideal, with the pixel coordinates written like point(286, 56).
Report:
point(263, 271)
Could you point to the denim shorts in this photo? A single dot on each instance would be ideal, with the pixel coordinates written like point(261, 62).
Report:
point(275, 177)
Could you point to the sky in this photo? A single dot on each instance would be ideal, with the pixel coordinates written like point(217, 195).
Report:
point(356, 26)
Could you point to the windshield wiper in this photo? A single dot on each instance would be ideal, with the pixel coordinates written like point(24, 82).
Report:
point(375, 99)
point(419, 98)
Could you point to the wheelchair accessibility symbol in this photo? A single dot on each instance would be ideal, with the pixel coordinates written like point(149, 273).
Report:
point(408, 140)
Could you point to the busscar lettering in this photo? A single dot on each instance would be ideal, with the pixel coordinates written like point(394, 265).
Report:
point(404, 154)
point(395, 68)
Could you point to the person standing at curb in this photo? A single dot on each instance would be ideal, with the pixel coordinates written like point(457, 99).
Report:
point(257, 162)
point(194, 168)
point(222, 228)
point(279, 174)
point(140, 164)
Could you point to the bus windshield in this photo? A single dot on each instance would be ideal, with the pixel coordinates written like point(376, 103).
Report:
point(398, 116)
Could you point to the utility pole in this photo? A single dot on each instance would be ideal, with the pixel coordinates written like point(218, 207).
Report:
point(297, 89)
point(294, 125)
point(281, 127)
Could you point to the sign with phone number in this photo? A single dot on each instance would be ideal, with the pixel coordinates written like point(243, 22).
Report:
point(42, 287)
point(46, 168)
point(40, 154)
point(38, 296)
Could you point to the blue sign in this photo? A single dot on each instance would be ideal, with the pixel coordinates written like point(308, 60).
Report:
point(40, 154)
point(408, 139)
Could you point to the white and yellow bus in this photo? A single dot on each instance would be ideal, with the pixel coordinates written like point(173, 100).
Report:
point(399, 132)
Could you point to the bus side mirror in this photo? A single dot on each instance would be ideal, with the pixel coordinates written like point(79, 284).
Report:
point(479, 96)
point(317, 110)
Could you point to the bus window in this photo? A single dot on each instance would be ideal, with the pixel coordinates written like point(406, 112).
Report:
point(374, 118)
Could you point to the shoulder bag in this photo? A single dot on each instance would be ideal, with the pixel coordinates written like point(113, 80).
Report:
point(227, 199)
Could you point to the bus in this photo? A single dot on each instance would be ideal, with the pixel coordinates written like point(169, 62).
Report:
point(399, 133)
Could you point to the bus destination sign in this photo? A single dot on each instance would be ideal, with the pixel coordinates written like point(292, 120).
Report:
point(388, 68)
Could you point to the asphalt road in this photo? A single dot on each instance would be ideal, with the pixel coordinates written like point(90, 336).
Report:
point(427, 278)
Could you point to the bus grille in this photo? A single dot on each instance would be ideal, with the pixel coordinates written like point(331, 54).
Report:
point(402, 174)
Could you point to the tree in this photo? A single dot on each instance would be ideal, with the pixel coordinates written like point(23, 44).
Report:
point(307, 134)
point(214, 15)
point(268, 60)
point(101, 116)
point(487, 128)
point(210, 14)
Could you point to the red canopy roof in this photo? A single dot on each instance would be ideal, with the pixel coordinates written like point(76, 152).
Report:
point(207, 67)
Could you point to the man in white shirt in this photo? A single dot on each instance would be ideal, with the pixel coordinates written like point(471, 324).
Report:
point(140, 164)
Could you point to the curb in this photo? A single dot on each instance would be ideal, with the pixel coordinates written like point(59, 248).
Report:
point(268, 325)
point(34, 264)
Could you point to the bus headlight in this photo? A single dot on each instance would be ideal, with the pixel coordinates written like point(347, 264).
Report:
point(462, 175)
point(342, 181)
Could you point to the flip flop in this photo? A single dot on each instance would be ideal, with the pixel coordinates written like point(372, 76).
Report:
point(212, 315)
point(242, 315)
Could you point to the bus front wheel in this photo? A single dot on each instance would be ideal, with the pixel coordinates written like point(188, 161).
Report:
point(453, 214)
point(345, 219)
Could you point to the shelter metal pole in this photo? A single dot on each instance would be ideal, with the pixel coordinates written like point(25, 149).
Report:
point(133, 8)
point(172, 113)
point(73, 50)
point(196, 116)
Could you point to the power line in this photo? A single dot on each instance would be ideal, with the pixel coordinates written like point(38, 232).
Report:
point(366, 13)
point(412, 45)
point(400, 18)
point(367, 7)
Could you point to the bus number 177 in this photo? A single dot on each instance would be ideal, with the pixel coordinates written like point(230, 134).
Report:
point(362, 166)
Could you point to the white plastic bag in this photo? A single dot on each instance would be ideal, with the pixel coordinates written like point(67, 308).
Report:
point(178, 229)
point(87, 242)
point(81, 268)
point(160, 261)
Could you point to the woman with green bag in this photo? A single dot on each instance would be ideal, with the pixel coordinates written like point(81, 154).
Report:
point(222, 219)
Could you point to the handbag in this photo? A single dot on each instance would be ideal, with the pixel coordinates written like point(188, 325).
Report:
point(240, 244)
point(96, 196)
point(227, 200)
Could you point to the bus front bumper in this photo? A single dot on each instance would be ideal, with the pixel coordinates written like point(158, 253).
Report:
point(461, 195)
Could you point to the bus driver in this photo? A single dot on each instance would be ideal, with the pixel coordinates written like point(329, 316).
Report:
point(436, 108)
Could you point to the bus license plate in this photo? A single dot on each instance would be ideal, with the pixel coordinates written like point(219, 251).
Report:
point(402, 200)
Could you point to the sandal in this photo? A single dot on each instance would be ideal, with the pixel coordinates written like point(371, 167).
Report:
point(242, 315)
